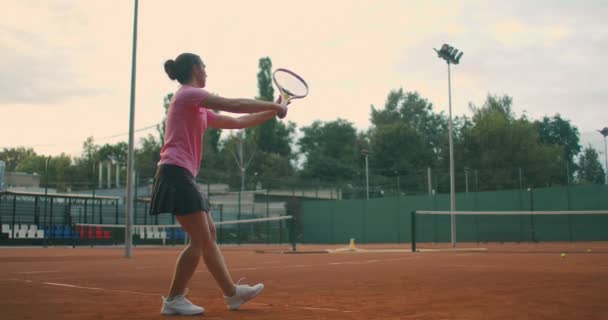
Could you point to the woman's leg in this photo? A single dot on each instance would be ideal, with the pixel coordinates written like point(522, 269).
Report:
point(201, 230)
point(187, 262)
point(234, 295)
point(215, 260)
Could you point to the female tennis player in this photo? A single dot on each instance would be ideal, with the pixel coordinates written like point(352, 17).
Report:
point(175, 190)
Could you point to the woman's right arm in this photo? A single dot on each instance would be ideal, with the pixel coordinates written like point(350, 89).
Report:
point(241, 105)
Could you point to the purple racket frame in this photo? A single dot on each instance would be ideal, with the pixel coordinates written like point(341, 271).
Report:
point(286, 94)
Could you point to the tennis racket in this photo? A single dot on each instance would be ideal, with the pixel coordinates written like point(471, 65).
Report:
point(291, 85)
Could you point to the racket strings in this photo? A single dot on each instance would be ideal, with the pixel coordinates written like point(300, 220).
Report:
point(291, 84)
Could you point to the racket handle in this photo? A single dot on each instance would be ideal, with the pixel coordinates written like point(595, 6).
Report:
point(284, 99)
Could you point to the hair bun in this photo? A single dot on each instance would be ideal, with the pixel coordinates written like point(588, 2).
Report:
point(170, 69)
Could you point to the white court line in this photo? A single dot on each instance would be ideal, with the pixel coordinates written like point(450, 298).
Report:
point(65, 285)
point(314, 265)
point(98, 289)
point(298, 307)
point(148, 267)
point(324, 309)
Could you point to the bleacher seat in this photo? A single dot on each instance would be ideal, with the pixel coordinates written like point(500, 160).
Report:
point(142, 232)
point(47, 231)
point(31, 232)
point(152, 232)
point(6, 228)
point(98, 233)
point(67, 231)
point(80, 231)
point(57, 231)
point(22, 232)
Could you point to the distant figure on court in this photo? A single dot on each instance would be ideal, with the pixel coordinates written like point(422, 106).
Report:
point(175, 190)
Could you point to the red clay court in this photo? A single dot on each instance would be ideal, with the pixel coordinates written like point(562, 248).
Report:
point(507, 281)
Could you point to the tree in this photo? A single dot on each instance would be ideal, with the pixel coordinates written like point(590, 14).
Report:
point(560, 132)
point(498, 144)
point(147, 157)
point(265, 89)
point(212, 164)
point(58, 174)
point(85, 167)
point(406, 137)
point(241, 149)
point(161, 127)
point(273, 136)
point(330, 151)
point(33, 165)
point(116, 152)
point(590, 168)
point(13, 156)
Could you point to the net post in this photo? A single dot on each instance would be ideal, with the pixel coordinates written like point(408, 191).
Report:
point(293, 233)
point(73, 226)
point(219, 238)
point(413, 230)
point(570, 228)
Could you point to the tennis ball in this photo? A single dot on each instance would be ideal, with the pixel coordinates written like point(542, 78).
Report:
point(588, 250)
point(563, 254)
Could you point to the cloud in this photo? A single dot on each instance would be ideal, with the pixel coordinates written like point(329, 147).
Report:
point(35, 63)
point(43, 79)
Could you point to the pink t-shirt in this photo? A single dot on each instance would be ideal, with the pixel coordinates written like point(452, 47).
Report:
point(187, 120)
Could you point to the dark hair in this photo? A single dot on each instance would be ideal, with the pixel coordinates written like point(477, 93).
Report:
point(181, 67)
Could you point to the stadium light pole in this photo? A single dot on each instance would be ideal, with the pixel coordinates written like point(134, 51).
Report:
point(131, 156)
point(365, 153)
point(451, 56)
point(604, 132)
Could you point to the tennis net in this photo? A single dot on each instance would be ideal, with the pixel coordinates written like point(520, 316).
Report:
point(432, 229)
point(261, 231)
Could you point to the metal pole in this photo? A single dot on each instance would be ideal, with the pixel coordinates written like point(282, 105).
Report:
point(14, 216)
point(520, 179)
point(100, 211)
point(46, 189)
point(100, 178)
point(131, 160)
point(452, 191)
point(466, 179)
point(109, 174)
point(242, 163)
point(136, 195)
point(606, 161)
point(117, 175)
point(430, 183)
point(267, 215)
point(366, 177)
point(399, 185)
point(242, 179)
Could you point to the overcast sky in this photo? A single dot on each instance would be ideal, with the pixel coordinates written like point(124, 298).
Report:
point(66, 65)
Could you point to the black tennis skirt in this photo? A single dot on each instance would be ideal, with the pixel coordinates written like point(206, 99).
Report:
point(175, 191)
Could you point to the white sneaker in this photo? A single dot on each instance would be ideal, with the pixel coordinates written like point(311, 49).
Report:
point(243, 294)
point(179, 305)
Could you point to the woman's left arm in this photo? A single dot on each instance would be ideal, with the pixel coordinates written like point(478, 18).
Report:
point(251, 120)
